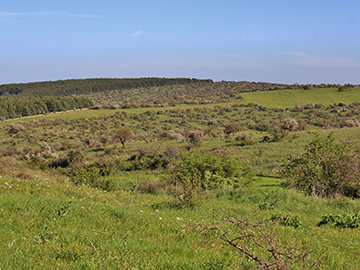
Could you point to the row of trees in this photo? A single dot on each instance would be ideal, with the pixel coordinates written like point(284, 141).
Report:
point(14, 107)
point(88, 86)
point(83, 86)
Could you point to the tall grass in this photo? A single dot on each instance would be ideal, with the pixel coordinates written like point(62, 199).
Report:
point(47, 225)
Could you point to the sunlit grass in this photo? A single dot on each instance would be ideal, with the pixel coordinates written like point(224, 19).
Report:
point(291, 98)
point(47, 225)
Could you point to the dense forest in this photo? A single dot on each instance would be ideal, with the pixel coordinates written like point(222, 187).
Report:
point(83, 86)
point(16, 107)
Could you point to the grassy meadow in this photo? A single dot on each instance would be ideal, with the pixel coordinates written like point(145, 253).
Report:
point(293, 97)
point(72, 197)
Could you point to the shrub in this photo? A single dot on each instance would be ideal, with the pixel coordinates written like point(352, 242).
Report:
point(13, 129)
point(212, 171)
point(93, 176)
point(290, 124)
point(195, 136)
point(278, 134)
point(326, 169)
point(171, 135)
point(259, 244)
point(341, 221)
point(245, 138)
point(287, 220)
point(231, 128)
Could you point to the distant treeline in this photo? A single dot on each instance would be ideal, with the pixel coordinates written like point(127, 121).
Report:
point(15, 107)
point(86, 86)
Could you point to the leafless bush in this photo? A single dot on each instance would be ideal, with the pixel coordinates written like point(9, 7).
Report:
point(352, 123)
point(228, 108)
point(171, 135)
point(342, 104)
point(279, 109)
point(9, 162)
point(195, 136)
point(299, 108)
point(13, 129)
point(212, 122)
point(57, 146)
point(145, 137)
point(263, 108)
point(290, 124)
point(259, 243)
point(28, 150)
point(44, 146)
point(105, 139)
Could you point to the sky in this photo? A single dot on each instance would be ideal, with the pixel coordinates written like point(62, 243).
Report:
point(280, 41)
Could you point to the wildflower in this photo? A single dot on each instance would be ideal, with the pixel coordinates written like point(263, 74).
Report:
point(179, 218)
point(160, 218)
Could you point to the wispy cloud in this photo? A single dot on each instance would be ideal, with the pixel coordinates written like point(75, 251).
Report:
point(137, 33)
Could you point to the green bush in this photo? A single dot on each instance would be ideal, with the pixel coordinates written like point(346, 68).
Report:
point(341, 221)
point(326, 169)
point(287, 220)
point(212, 171)
point(93, 176)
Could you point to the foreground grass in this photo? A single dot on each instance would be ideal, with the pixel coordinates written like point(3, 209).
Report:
point(48, 225)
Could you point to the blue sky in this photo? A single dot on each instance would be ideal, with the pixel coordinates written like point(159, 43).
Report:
point(285, 41)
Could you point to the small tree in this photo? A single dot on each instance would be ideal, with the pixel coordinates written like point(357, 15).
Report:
point(290, 124)
point(123, 135)
point(326, 169)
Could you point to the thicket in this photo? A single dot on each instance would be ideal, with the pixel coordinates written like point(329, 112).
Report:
point(82, 86)
point(17, 107)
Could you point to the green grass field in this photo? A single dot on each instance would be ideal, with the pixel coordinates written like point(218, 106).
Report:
point(291, 98)
point(48, 222)
point(48, 225)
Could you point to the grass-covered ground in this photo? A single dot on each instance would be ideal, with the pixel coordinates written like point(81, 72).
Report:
point(128, 217)
point(293, 97)
point(51, 225)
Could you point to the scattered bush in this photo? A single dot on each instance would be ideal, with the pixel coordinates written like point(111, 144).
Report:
point(195, 136)
point(290, 124)
point(13, 129)
point(245, 138)
point(171, 135)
